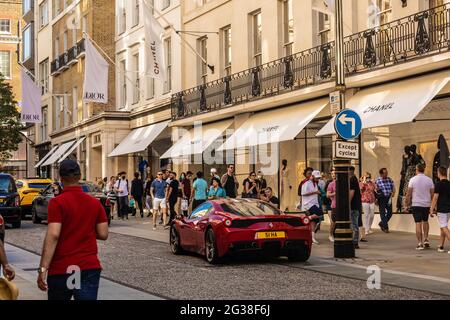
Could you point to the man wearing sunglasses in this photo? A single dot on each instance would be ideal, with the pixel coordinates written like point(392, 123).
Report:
point(158, 192)
point(229, 182)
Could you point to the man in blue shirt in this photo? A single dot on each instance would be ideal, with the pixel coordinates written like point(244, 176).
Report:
point(158, 192)
point(200, 193)
point(385, 194)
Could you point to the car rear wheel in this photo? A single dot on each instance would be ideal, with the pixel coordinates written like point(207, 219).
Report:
point(34, 217)
point(299, 255)
point(175, 244)
point(211, 247)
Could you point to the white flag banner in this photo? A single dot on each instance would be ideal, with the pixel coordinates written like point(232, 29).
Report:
point(31, 100)
point(324, 6)
point(154, 48)
point(95, 76)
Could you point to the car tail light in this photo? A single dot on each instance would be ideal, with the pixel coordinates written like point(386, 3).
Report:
point(228, 222)
point(1, 221)
point(17, 202)
point(306, 220)
point(108, 203)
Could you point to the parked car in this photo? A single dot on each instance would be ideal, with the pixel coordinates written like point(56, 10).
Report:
point(39, 211)
point(10, 201)
point(223, 227)
point(2, 229)
point(29, 188)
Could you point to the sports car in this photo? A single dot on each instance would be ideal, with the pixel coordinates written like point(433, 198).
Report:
point(225, 227)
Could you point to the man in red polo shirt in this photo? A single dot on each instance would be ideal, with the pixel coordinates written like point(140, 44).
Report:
point(69, 264)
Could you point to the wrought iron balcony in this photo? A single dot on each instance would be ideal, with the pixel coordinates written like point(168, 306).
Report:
point(411, 37)
point(68, 58)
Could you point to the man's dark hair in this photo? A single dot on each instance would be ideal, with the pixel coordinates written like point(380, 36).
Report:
point(421, 168)
point(199, 175)
point(189, 173)
point(307, 169)
point(352, 169)
point(231, 164)
point(174, 173)
point(136, 175)
point(382, 170)
point(442, 171)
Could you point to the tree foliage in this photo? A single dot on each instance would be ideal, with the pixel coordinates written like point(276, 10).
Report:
point(10, 124)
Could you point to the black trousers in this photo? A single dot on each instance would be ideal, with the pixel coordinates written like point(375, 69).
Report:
point(122, 207)
point(172, 205)
point(138, 199)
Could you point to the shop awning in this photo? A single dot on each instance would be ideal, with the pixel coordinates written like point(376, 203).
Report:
point(274, 126)
point(39, 164)
point(58, 153)
point(71, 149)
point(139, 139)
point(197, 139)
point(393, 103)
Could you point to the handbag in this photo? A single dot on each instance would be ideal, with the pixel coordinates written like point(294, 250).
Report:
point(184, 204)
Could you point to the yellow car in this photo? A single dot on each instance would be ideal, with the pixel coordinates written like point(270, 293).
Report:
point(29, 188)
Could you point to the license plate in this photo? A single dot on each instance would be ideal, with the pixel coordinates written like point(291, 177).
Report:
point(270, 235)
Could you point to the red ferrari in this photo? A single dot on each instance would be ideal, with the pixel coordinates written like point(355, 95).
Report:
point(218, 228)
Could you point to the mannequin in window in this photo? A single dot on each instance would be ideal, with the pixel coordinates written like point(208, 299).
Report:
point(441, 159)
point(142, 165)
point(405, 161)
point(414, 160)
point(285, 192)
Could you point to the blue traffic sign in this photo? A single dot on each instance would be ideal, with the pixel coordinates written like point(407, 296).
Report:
point(348, 124)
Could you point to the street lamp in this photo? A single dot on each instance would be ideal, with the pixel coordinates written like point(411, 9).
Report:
point(343, 244)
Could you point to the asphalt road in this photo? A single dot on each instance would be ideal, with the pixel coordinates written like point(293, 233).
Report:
point(150, 266)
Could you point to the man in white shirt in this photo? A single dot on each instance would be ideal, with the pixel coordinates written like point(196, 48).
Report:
point(310, 201)
point(418, 202)
point(122, 190)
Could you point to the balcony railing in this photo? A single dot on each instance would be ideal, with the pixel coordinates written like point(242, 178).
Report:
point(67, 58)
point(415, 36)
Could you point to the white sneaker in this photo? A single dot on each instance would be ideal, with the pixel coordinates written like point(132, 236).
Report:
point(154, 228)
point(420, 247)
point(371, 231)
point(331, 238)
point(315, 241)
point(440, 249)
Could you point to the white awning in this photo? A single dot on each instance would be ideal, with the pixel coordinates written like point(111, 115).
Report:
point(71, 149)
point(197, 139)
point(274, 126)
point(58, 153)
point(139, 139)
point(46, 157)
point(393, 103)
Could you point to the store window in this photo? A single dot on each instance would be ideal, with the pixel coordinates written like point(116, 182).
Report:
point(5, 64)
point(202, 47)
point(137, 87)
point(44, 75)
point(27, 42)
point(123, 84)
point(226, 36)
point(168, 59)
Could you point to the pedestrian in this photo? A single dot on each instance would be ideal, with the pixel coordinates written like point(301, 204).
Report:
point(251, 188)
point(310, 201)
point(368, 199)
point(137, 192)
point(418, 202)
point(229, 182)
point(166, 178)
point(8, 271)
point(355, 206)
point(269, 197)
point(200, 188)
point(385, 193)
point(111, 194)
point(331, 194)
point(101, 183)
point(75, 222)
point(441, 205)
point(307, 176)
point(158, 192)
point(148, 195)
point(122, 190)
point(186, 191)
point(216, 190)
point(262, 182)
point(172, 197)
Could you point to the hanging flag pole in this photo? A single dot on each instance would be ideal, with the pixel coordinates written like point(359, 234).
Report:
point(160, 15)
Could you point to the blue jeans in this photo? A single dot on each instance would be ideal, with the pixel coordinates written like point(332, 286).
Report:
point(58, 290)
point(354, 217)
point(385, 211)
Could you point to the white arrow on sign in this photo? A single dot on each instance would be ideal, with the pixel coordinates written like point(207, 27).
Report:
point(344, 120)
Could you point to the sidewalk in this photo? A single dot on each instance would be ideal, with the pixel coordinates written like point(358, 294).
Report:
point(26, 263)
point(393, 253)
